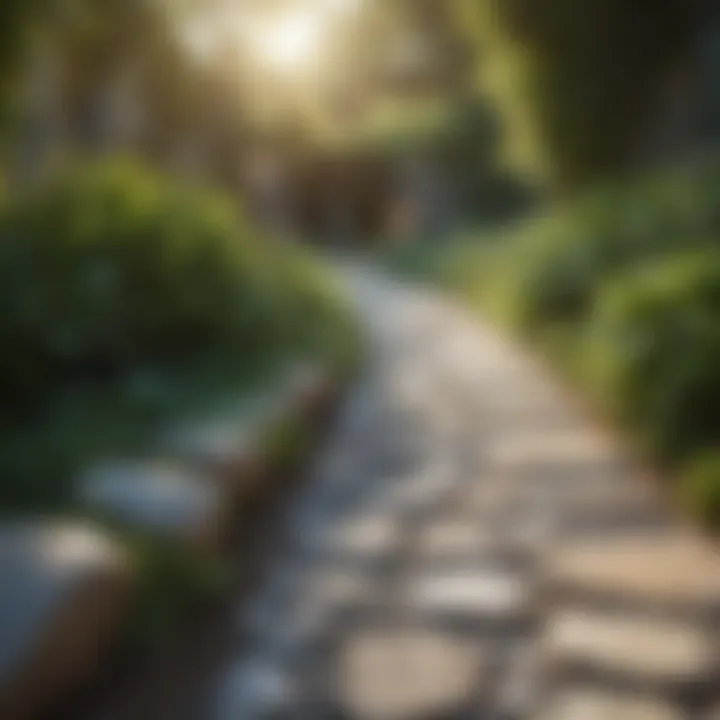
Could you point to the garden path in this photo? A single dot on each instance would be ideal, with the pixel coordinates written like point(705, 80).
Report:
point(470, 545)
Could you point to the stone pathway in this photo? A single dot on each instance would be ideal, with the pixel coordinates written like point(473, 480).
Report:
point(470, 547)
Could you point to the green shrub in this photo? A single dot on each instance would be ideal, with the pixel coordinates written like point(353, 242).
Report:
point(700, 488)
point(128, 302)
point(555, 266)
point(111, 268)
point(657, 343)
point(311, 309)
point(124, 298)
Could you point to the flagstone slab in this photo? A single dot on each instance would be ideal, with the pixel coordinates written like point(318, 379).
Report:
point(257, 688)
point(451, 538)
point(167, 499)
point(675, 572)
point(595, 705)
point(474, 596)
point(656, 655)
point(551, 446)
point(406, 675)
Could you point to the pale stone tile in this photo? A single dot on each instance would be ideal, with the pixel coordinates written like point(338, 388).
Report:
point(405, 675)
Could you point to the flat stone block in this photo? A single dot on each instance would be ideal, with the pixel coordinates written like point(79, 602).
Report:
point(405, 675)
point(674, 572)
point(488, 597)
point(594, 705)
point(452, 538)
point(166, 499)
point(551, 446)
point(520, 686)
point(63, 590)
point(664, 657)
point(365, 536)
point(339, 589)
point(252, 689)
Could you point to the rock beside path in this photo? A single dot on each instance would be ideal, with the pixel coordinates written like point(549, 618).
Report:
point(63, 590)
point(163, 498)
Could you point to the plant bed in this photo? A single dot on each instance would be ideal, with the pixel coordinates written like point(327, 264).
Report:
point(166, 678)
point(133, 305)
point(186, 586)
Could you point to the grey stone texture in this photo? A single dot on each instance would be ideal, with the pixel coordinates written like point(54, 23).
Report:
point(470, 545)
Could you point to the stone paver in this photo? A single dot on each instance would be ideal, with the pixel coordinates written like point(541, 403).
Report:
point(472, 596)
point(252, 690)
point(453, 539)
point(674, 571)
point(667, 657)
point(590, 705)
point(391, 675)
point(454, 551)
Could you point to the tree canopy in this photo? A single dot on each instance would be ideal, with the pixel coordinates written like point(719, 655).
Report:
point(578, 82)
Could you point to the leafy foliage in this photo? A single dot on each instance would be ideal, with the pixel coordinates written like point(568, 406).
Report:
point(175, 582)
point(657, 340)
point(127, 299)
point(112, 268)
point(19, 20)
point(553, 267)
point(579, 82)
point(701, 488)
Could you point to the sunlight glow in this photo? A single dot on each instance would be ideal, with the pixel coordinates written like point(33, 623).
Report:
point(290, 42)
point(288, 38)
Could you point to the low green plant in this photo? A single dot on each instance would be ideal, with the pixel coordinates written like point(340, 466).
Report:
point(172, 582)
point(700, 488)
point(657, 340)
point(556, 265)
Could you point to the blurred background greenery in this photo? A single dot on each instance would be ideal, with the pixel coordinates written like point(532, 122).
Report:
point(167, 164)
